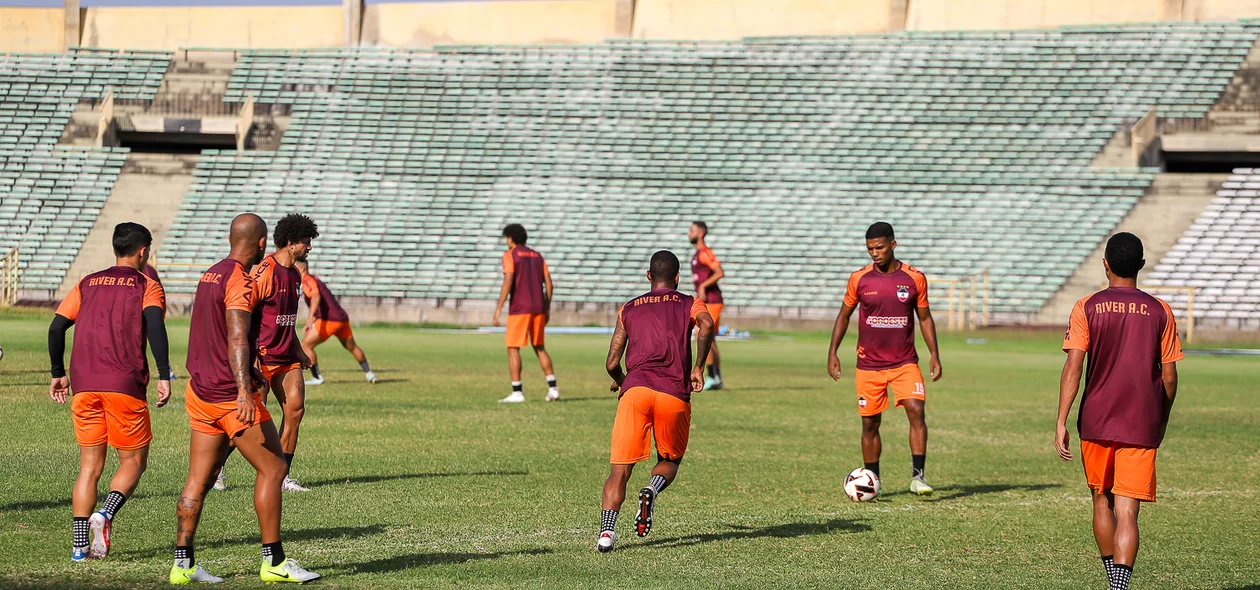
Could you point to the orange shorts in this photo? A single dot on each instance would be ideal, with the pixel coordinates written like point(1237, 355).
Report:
point(1120, 469)
point(270, 371)
point(640, 410)
point(715, 310)
point(326, 329)
point(872, 388)
point(220, 418)
point(108, 417)
point(525, 328)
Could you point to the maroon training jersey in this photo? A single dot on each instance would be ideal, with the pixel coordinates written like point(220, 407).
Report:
point(702, 263)
point(107, 308)
point(151, 272)
point(886, 308)
point(1126, 335)
point(529, 272)
point(328, 310)
point(272, 325)
point(658, 328)
point(224, 286)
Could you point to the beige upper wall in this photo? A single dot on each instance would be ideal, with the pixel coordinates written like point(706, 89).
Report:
point(173, 28)
point(732, 19)
point(1022, 14)
point(518, 21)
point(31, 29)
point(1203, 10)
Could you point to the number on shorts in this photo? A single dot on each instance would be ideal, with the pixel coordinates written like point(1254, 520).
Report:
point(918, 389)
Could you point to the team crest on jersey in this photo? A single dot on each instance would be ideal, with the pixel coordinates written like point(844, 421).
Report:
point(903, 294)
point(861, 402)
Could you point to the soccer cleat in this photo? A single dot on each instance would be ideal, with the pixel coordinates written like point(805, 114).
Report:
point(220, 483)
point(291, 485)
point(920, 487)
point(289, 571)
point(606, 541)
point(709, 383)
point(370, 376)
point(647, 506)
point(79, 553)
point(553, 394)
point(516, 398)
point(315, 381)
point(101, 528)
point(717, 383)
point(196, 573)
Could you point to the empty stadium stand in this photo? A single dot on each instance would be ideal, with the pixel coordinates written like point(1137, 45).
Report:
point(50, 195)
point(976, 145)
point(1219, 256)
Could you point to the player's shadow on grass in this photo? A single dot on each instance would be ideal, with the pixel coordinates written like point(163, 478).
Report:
point(316, 534)
point(781, 531)
point(376, 478)
point(950, 493)
point(64, 502)
point(402, 562)
point(612, 397)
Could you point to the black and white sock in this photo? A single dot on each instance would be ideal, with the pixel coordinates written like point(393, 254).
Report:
point(364, 365)
point(81, 531)
point(518, 387)
point(658, 483)
point(1109, 563)
point(184, 557)
point(607, 520)
point(273, 553)
point(113, 503)
point(872, 467)
point(551, 381)
point(1120, 575)
point(917, 466)
point(315, 371)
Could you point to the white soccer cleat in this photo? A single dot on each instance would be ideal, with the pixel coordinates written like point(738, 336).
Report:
point(370, 376)
point(291, 485)
point(920, 487)
point(516, 398)
point(289, 571)
point(553, 394)
point(220, 482)
point(101, 528)
point(315, 380)
point(606, 541)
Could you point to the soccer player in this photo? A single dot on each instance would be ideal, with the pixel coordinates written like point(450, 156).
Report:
point(890, 293)
point(273, 326)
point(224, 401)
point(116, 309)
point(326, 319)
point(706, 271)
point(152, 272)
point(654, 333)
point(527, 279)
point(1130, 339)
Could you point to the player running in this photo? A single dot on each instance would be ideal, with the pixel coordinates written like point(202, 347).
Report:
point(116, 309)
point(527, 279)
point(890, 293)
point(273, 327)
point(654, 333)
point(1131, 341)
point(326, 319)
point(706, 271)
point(225, 405)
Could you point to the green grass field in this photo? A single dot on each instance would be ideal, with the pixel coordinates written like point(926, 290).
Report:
point(424, 481)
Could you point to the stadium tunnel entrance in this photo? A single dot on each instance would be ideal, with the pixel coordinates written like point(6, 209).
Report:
point(178, 135)
point(1209, 162)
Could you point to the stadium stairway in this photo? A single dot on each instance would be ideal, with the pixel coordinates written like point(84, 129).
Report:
point(1159, 218)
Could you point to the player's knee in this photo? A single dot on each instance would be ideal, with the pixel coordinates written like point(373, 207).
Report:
point(137, 462)
point(870, 424)
point(92, 470)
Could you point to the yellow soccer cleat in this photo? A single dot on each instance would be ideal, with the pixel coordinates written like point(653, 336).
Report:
point(288, 571)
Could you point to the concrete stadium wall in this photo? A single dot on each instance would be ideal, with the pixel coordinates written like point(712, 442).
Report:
point(214, 26)
point(1006, 14)
point(732, 19)
point(424, 24)
point(1206, 10)
point(31, 29)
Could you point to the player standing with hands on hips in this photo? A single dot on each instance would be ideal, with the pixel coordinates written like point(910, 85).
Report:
point(1130, 339)
point(890, 293)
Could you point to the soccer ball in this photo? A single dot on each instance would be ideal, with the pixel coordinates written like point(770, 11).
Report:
point(1, 352)
point(862, 485)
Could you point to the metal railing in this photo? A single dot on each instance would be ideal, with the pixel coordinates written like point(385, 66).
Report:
point(967, 300)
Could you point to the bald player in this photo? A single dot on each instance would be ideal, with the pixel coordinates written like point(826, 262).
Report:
point(225, 406)
point(273, 326)
point(326, 319)
point(1130, 339)
point(654, 334)
point(115, 310)
point(528, 281)
point(890, 294)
